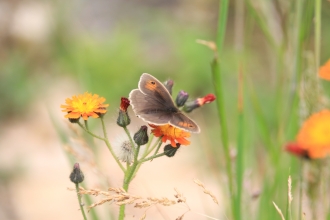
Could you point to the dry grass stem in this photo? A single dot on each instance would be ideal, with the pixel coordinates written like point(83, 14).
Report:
point(179, 196)
point(116, 195)
point(180, 217)
point(290, 190)
point(153, 201)
point(206, 191)
point(209, 44)
point(279, 211)
point(143, 216)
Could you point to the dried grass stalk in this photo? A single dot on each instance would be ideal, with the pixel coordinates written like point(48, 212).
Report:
point(206, 191)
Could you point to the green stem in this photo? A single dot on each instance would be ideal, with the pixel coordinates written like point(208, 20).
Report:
point(291, 122)
point(122, 207)
point(318, 7)
point(151, 137)
point(106, 140)
point(80, 203)
point(152, 157)
point(86, 124)
point(301, 169)
point(92, 134)
point(133, 167)
point(158, 147)
point(222, 23)
point(216, 74)
point(146, 153)
point(240, 149)
point(128, 178)
point(222, 121)
point(130, 138)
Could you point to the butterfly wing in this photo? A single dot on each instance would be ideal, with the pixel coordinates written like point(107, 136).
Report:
point(152, 87)
point(182, 121)
point(149, 108)
point(153, 103)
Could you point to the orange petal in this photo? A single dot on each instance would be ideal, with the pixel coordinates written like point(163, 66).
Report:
point(183, 141)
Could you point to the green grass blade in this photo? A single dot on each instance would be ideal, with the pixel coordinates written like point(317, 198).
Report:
point(240, 148)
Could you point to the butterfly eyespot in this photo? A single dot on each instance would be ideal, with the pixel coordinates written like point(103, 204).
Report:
point(153, 82)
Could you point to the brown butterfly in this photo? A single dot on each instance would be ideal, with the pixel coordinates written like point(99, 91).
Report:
point(153, 103)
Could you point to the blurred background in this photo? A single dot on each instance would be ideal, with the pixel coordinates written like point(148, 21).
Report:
point(52, 50)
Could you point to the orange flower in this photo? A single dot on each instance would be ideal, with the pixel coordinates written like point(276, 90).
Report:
point(313, 139)
point(324, 71)
point(173, 134)
point(84, 105)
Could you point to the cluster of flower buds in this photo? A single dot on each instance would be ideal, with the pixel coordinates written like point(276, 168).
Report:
point(123, 119)
point(126, 152)
point(182, 97)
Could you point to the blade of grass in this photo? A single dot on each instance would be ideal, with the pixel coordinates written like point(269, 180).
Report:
point(261, 22)
point(240, 147)
point(217, 82)
point(291, 122)
point(222, 23)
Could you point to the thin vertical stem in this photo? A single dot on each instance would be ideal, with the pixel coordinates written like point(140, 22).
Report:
point(293, 101)
point(301, 171)
point(222, 23)
point(80, 203)
point(317, 42)
point(217, 80)
point(106, 140)
point(129, 137)
point(240, 147)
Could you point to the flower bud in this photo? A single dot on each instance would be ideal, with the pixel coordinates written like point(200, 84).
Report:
point(100, 114)
point(76, 175)
point(169, 85)
point(171, 151)
point(141, 137)
point(181, 98)
point(123, 118)
point(295, 149)
point(189, 106)
point(124, 103)
point(74, 120)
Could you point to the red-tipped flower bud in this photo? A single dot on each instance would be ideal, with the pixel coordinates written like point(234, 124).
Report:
point(190, 106)
point(124, 104)
point(123, 118)
point(295, 149)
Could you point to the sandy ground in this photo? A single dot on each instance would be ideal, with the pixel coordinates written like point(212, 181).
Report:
point(40, 191)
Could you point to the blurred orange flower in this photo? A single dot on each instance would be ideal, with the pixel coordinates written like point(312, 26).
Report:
point(84, 105)
point(173, 134)
point(324, 71)
point(313, 139)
